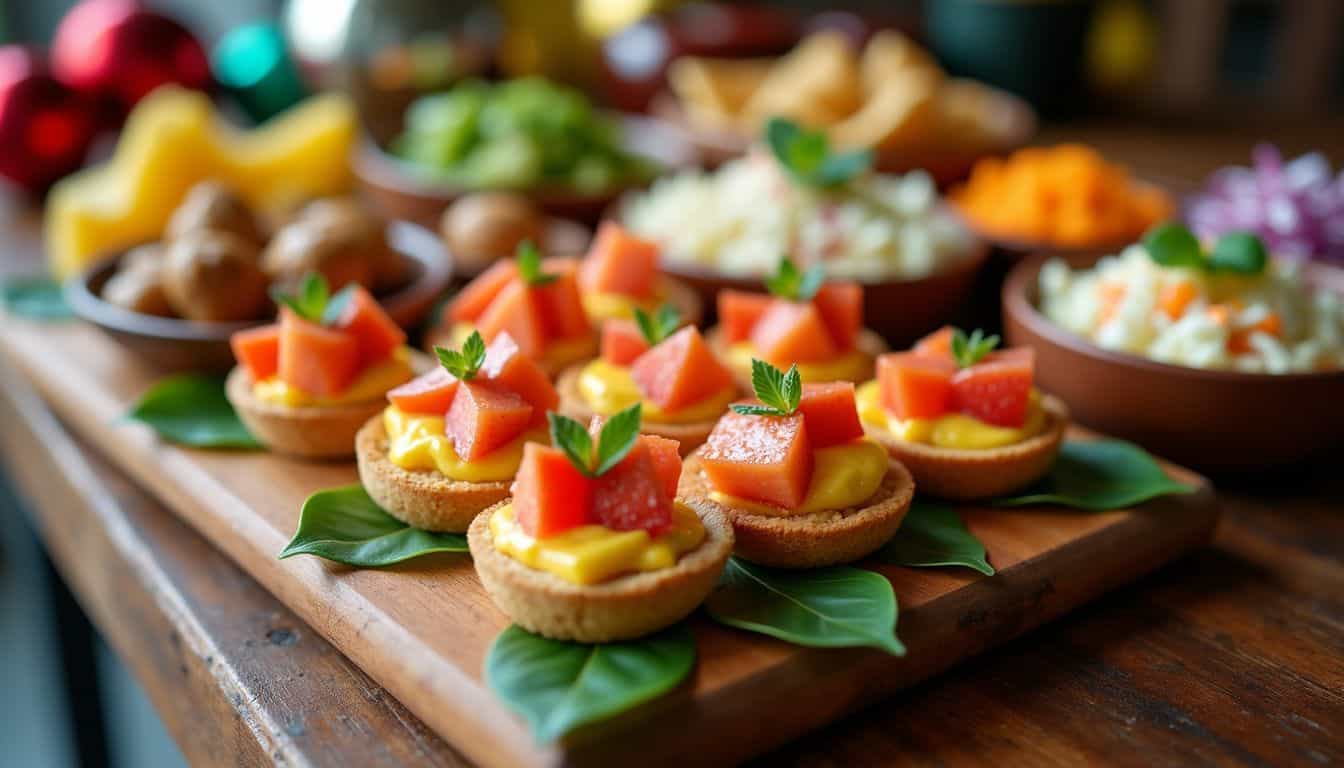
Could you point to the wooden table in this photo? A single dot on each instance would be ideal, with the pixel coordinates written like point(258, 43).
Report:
point(1234, 655)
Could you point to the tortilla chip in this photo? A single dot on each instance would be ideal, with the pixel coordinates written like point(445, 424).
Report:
point(817, 84)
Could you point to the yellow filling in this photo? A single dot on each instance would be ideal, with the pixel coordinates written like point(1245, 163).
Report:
point(558, 352)
point(955, 430)
point(371, 384)
point(854, 365)
point(591, 554)
point(416, 441)
point(617, 306)
point(843, 476)
point(608, 388)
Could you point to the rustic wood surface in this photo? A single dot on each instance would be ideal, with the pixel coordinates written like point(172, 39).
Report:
point(1232, 655)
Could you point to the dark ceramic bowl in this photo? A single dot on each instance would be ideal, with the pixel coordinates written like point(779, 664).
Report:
point(1220, 421)
point(172, 344)
point(900, 311)
point(946, 165)
point(398, 192)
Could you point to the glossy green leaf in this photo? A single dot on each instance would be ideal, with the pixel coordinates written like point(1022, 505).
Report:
point(572, 438)
point(463, 364)
point(36, 298)
point(345, 525)
point(1173, 245)
point(559, 686)
point(1239, 252)
point(191, 409)
point(969, 350)
point(934, 535)
point(1099, 475)
point(779, 392)
point(807, 156)
point(836, 607)
point(617, 438)
point(530, 269)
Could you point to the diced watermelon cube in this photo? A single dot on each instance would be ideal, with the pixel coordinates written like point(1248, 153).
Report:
point(760, 458)
point(680, 371)
point(632, 496)
point(550, 495)
point(622, 342)
point(482, 419)
point(739, 312)
point(428, 393)
point(831, 413)
point(791, 332)
point(915, 386)
point(997, 390)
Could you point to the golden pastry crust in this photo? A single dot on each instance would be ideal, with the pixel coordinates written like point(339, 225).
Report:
point(625, 607)
point(310, 432)
point(422, 499)
point(867, 342)
point(968, 475)
point(812, 540)
point(691, 435)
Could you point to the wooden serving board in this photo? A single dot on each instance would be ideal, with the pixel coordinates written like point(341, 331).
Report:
point(422, 629)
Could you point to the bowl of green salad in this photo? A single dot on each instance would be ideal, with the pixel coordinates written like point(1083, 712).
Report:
point(528, 136)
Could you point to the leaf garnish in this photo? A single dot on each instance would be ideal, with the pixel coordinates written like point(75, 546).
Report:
point(309, 301)
point(659, 325)
point(792, 284)
point(192, 409)
point(778, 392)
point(346, 526)
point(613, 442)
point(529, 265)
point(808, 158)
point(1174, 245)
point(464, 364)
point(969, 350)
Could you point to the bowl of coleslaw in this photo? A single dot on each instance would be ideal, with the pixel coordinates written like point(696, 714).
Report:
point(1224, 371)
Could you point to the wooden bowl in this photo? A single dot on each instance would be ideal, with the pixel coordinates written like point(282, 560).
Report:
point(398, 192)
point(947, 165)
point(173, 344)
point(900, 311)
point(1220, 421)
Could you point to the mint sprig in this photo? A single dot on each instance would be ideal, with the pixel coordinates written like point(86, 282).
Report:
point(313, 301)
point(465, 363)
point(969, 350)
point(808, 158)
point(1174, 245)
point(779, 392)
point(788, 282)
point(659, 325)
point(613, 442)
point(529, 265)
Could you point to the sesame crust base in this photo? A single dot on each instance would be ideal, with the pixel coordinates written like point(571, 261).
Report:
point(867, 342)
point(816, 539)
point(623, 608)
point(424, 498)
point(309, 432)
point(690, 435)
point(969, 475)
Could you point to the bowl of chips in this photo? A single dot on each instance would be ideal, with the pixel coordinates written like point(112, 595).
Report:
point(891, 96)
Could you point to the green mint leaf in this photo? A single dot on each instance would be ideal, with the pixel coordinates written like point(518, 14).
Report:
point(558, 686)
point(1173, 245)
point(464, 364)
point(786, 280)
point(751, 409)
point(1099, 475)
point(192, 409)
point(617, 438)
point(1239, 252)
point(668, 320)
point(346, 526)
point(843, 167)
point(933, 535)
point(811, 282)
point(331, 314)
point(529, 265)
point(573, 439)
point(773, 388)
point(310, 301)
point(837, 607)
point(969, 350)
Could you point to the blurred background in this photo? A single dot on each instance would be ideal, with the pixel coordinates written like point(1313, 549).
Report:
point(1179, 64)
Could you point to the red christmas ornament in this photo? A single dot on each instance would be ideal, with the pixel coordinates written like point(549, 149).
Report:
point(122, 51)
point(45, 128)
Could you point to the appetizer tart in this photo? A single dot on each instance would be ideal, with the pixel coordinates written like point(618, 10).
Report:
point(965, 420)
point(620, 274)
point(1230, 308)
point(450, 441)
point(804, 321)
point(681, 386)
point(796, 476)
point(304, 385)
point(537, 302)
point(594, 546)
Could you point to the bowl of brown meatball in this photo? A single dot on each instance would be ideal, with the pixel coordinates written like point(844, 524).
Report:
point(176, 302)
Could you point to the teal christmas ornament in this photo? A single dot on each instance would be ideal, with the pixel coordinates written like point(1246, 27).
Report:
point(253, 65)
